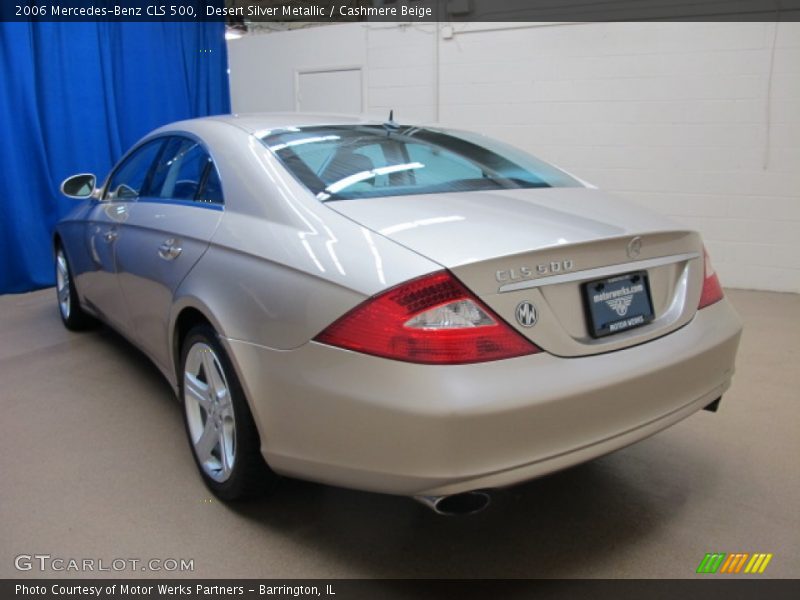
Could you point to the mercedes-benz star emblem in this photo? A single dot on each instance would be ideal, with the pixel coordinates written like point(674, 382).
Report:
point(635, 247)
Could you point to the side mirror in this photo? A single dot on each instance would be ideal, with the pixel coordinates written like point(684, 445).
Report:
point(79, 186)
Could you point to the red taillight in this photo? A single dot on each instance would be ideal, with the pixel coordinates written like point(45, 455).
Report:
point(712, 290)
point(433, 320)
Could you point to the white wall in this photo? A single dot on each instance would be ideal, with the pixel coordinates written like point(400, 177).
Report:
point(700, 121)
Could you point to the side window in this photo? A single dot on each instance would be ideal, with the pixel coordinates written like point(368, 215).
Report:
point(194, 162)
point(183, 173)
point(161, 171)
point(131, 177)
point(212, 189)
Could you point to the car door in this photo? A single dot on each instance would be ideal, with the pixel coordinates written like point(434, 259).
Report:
point(105, 222)
point(164, 235)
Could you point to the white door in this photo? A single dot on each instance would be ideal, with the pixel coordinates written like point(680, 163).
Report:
point(330, 91)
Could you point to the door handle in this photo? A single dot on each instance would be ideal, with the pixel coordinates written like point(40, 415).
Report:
point(110, 235)
point(169, 250)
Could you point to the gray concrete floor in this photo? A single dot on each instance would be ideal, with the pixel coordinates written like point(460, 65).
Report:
point(95, 465)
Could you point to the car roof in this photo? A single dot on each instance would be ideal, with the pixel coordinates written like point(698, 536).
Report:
point(260, 124)
point(255, 122)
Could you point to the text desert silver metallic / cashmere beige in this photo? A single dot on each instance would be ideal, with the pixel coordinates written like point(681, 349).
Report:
point(401, 309)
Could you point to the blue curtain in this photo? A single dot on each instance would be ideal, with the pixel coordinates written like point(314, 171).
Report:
point(73, 98)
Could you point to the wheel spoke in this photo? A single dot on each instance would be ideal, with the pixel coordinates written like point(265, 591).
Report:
point(61, 263)
point(215, 382)
point(224, 406)
point(223, 451)
point(197, 390)
point(207, 442)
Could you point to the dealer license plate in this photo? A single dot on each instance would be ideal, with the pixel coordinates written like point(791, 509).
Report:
point(618, 303)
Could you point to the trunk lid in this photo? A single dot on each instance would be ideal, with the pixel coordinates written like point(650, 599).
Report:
point(541, 247)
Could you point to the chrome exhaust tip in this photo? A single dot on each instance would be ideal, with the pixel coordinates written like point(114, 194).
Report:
point(467, 503)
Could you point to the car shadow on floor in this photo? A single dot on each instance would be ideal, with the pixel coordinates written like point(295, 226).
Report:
point(555, 526)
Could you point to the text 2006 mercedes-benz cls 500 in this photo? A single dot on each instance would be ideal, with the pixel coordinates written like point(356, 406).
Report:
point(409, 310)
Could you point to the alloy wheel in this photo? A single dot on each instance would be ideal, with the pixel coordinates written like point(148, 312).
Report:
point(63, 284)
point(209, 412)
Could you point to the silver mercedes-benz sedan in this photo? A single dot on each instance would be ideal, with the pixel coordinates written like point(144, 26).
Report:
point(408, 310)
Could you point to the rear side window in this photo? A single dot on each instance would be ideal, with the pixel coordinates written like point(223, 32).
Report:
point(340, 162)
point(211, 192)
point(131, 176)
point(186, 172)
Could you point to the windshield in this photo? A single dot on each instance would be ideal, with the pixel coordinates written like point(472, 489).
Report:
point(340, 162)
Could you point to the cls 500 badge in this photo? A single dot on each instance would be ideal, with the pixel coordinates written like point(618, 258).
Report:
point(541, 270)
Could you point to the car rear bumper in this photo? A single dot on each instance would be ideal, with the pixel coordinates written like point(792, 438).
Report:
point(348, 419)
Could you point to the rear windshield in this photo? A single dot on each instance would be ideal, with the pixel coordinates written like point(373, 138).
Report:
point(341, 162)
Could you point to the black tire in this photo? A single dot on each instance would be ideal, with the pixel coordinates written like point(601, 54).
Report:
point(69, 306)
point(249, 476)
